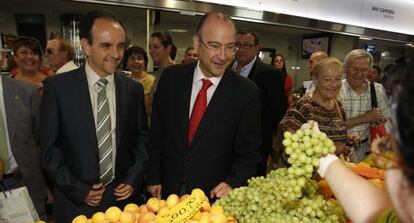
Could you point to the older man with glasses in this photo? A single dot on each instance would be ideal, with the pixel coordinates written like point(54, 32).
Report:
point(271, 86)
point(205, 119)
point(355, 96)
point(60, 55)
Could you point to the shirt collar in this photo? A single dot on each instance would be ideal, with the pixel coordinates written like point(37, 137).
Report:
point(247, 67)
point(345, 82)
point(198, 76)
point(93, 77)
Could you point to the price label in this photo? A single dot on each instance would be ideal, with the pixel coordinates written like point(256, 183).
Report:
point(183, 211)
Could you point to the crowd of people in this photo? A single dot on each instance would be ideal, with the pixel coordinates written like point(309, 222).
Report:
point(107, 132)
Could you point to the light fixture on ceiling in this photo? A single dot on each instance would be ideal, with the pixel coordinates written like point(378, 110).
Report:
point(177, 30)
point(365, 38)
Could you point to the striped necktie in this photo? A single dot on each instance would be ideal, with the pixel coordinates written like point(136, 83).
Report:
point(103, 134)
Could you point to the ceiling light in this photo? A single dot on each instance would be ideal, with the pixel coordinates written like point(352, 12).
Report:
point(409, 44)
point(365, 38)
point(177, 30)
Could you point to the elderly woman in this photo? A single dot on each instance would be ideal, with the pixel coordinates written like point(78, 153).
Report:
point(136, 61)
point(320, 106)
point(361, 200)
point(27, 54)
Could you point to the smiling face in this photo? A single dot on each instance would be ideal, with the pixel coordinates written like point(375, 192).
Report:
point(27, 60)
point(328, 82)
point(356, 72)
point(107, 48)
point(136, 63)
point(215, 45)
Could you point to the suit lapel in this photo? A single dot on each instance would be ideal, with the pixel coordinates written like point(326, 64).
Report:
point(120, 97)
point(218, 103)
point(183, 103)
point(81, 91)
point(254, 72)
point(10, 96)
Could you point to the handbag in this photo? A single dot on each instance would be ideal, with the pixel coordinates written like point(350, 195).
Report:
point(16, 206)
point(377, 130)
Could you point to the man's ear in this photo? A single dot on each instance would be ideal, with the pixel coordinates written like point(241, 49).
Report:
point(86, 46)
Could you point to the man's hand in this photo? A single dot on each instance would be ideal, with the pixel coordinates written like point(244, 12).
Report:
point(94, 196)
point(373, 115)
point(155, 190)
point(123, 191)
point(221, 190)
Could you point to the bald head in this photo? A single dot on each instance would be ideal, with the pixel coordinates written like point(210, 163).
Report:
point(315, 58)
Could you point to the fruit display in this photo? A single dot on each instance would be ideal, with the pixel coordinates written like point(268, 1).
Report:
point(194, 208)
point(288, 194)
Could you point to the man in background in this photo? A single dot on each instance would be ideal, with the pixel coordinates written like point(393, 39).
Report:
point(271, 86)
point(309, 86)
point(60, 55)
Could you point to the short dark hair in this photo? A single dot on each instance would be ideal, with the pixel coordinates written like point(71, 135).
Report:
point(134, 50)
point(88, 20)
point(378, 69)
point(30, 43)
point(164, 38)
point(251, 32)
point(188, 49)
point(204, 18)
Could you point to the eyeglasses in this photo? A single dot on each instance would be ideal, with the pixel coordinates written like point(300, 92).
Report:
point(49, 51)
point(244, 45)
point(363, 70)
point(216, 47)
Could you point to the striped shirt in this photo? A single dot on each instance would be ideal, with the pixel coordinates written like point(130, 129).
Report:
point(355, 105)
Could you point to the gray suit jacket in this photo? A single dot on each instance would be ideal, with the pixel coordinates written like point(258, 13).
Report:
point(22, 102)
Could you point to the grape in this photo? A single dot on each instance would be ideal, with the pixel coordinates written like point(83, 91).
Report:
point(287, 194)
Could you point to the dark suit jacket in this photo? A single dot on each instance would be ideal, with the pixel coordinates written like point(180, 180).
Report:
point(22, 102)
point(226, 144)
point(273, 100)
point(68, 134)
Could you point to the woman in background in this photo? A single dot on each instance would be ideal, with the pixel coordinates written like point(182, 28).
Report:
point(280, 66)
point(27, 54)
point(136, 61)
point(320, 106)
point(362, 200)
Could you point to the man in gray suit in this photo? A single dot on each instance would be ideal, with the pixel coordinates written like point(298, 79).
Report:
point(19, 122)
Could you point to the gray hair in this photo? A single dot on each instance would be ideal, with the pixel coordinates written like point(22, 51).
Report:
point(355, 54)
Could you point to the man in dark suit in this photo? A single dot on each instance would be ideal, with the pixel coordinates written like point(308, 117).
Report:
point(92, 125)
point(215, 148)
point(271, 85)
point(19, 123)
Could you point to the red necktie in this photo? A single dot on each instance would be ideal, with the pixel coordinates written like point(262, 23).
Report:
point(199, 107)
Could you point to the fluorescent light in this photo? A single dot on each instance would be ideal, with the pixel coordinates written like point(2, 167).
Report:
point(409, 44)
point(365, 38)
point(177, 30)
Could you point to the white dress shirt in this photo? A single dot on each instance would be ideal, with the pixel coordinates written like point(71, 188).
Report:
point(198, 83)
point(93, 78)
point(244, 71)
point(12, 160)
point(70, 65)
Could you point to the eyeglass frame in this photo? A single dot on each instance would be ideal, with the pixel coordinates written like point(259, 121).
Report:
point(218, 49)
point(362, 70)
point(245, 46)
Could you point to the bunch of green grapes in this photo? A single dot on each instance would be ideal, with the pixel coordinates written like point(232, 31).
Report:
point(287, 194)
